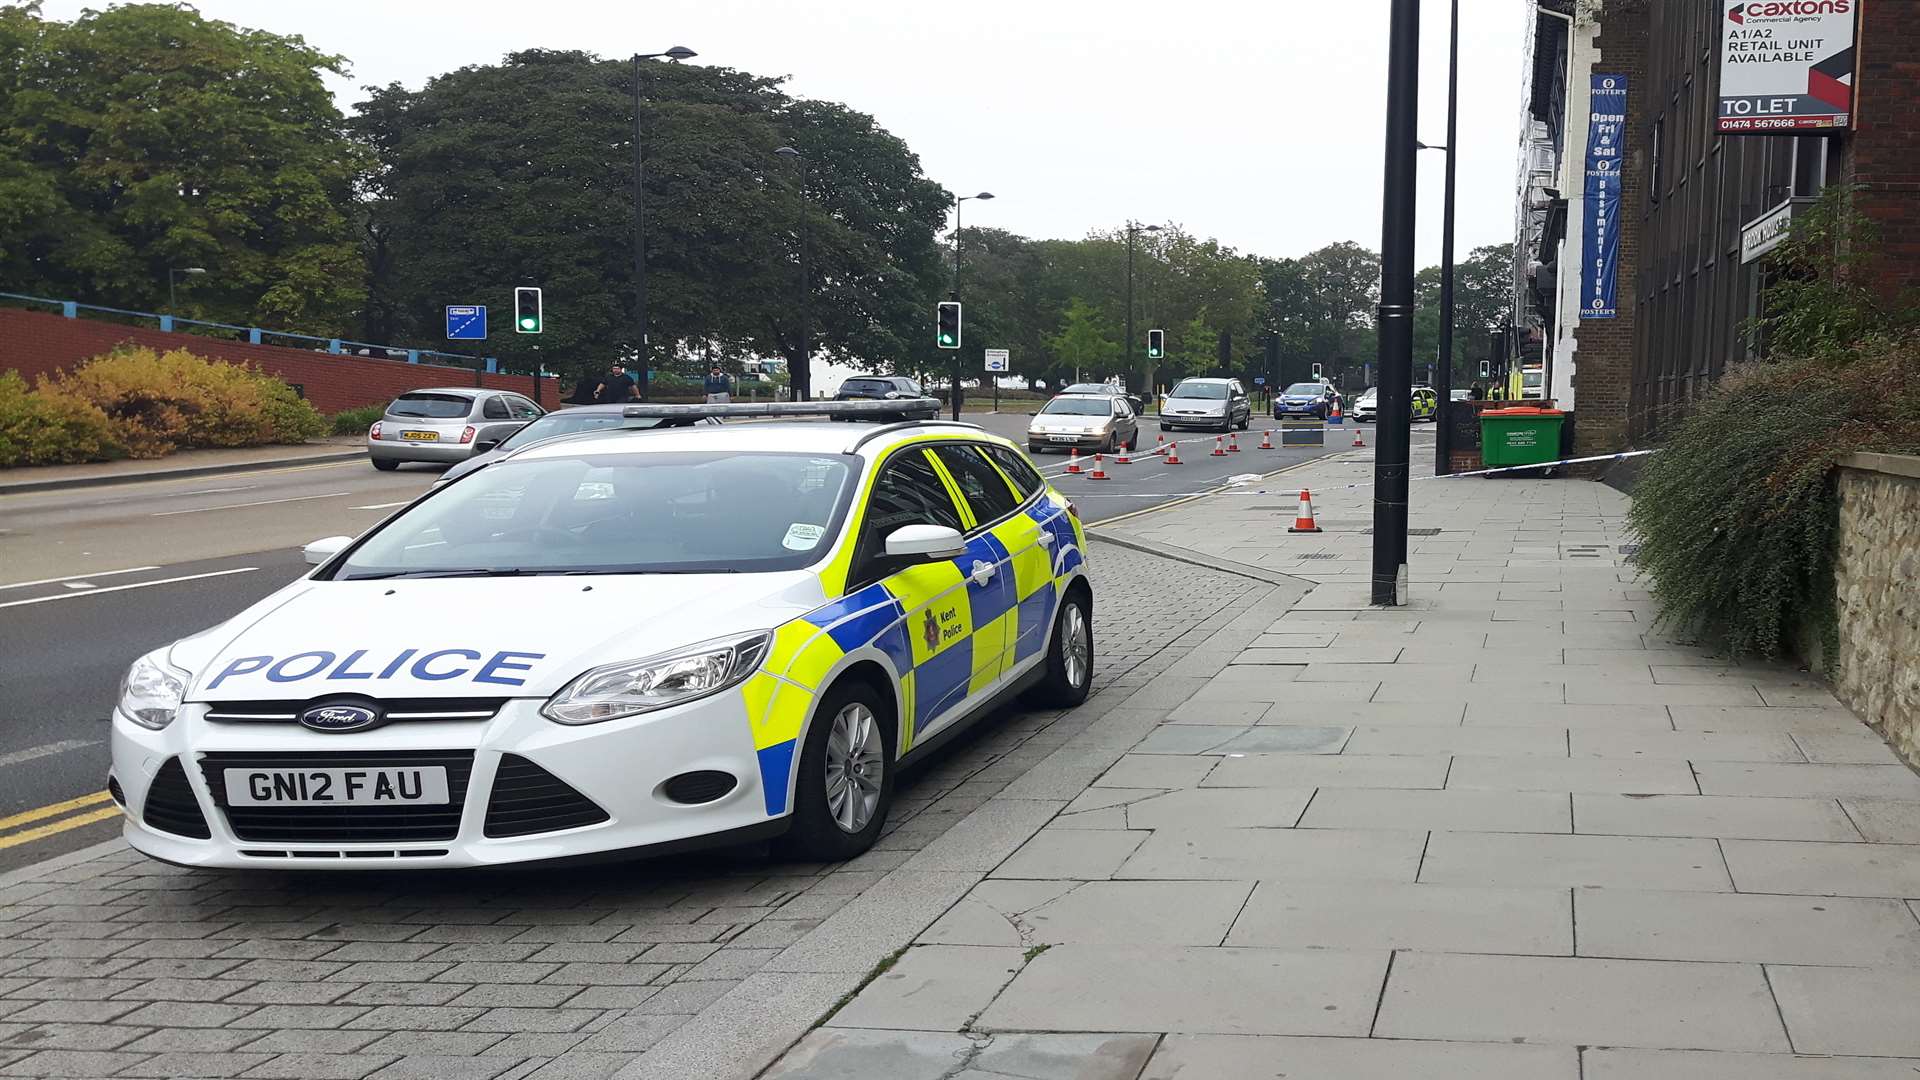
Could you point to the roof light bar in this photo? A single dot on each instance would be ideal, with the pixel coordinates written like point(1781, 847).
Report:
point(892, 407)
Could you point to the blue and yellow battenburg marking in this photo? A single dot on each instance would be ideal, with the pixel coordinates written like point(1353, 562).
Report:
point(946, 633)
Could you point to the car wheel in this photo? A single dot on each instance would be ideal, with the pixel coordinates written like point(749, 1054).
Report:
point(1069, 670)
point(845, 783)
point(384, 465)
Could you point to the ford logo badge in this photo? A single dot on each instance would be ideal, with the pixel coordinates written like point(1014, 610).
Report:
point(338, 718)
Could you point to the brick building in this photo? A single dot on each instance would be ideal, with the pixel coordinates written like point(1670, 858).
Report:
point(1697, 208)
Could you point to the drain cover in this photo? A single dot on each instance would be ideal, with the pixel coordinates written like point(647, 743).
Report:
point(1317, 555)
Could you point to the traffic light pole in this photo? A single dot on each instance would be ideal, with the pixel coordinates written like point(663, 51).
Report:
point(1392, 444)
point(641, 363)
point(1443, 385)
point(953, 392)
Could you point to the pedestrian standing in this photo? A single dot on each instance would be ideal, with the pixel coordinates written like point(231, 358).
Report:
point(619, 386)
point(719, 387)
point(588, 390)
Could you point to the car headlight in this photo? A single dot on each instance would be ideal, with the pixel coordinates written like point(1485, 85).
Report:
point(152, 689)
point(612, 691)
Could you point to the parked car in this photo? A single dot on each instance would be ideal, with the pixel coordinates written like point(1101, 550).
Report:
point(1305, 399)
point(1099, 422)
point(1206, 404)
point(1460, 395)
point(552, 426)
point(1425, 405)
point(1366, 407)
point(445, 423)
point(889, 388)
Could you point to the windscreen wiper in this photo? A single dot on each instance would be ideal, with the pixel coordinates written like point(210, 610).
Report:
point(472, 571)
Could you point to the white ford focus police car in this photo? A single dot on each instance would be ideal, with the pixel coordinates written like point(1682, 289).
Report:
point(614, 641)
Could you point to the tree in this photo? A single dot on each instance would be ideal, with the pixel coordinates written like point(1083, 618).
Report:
point(146, 137)
point(1084, 344)
point(1195, 352)
point(1482, 296)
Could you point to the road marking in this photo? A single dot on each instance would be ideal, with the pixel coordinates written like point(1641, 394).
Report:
point(54, 809)
point(1191, 498)
point(64, 825)
point(381, 506)
point(77, 577)
point(48, 750)
point(122, 588)
point(244, 505)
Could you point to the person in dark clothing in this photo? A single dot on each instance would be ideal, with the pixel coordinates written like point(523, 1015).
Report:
point(1478, 392)
point(620, 386)
point(719, 387)
point(587, 391)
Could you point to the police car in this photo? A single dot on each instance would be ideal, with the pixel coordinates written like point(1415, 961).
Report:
point(619, 640)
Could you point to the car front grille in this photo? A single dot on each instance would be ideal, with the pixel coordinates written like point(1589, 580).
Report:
point(170, 805)
point(528, 799)
point(396, 710)
point(342, 824)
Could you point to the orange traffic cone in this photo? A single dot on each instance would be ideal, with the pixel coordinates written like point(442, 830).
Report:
point(1173, 454)
point(1266, 441)
point(1357, 440)
point(1303, 521)
point(1333, 416)
point(1073, 461)
point(1099, 472)
point(1219, 446)
point(1233, 444)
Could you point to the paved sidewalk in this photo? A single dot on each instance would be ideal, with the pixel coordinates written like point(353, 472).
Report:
point(1510, 830)
point(186, 463)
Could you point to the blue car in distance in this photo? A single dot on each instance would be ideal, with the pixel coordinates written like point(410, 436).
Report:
point(1305, 399)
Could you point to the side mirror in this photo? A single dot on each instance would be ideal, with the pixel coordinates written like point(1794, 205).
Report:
point(481, 446)
point(930, 543)
point(325, 548)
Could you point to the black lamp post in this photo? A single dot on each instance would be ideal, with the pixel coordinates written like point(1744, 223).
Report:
point(641, 362)
point(1443, 382)
point(1134, 230)
point(800, 375)
point(954, 393)
point(1392, 446)
point(174, 275)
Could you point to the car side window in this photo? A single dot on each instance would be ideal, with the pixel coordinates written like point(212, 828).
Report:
point(493, 409)
point(986, 493)
point(907, 492)
point(522, 409)
point(1018, 469)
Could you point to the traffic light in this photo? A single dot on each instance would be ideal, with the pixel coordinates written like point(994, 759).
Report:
point(947, 325)
point(1317, 372)
point(1156, 344)
point(1486, 369)
point(526, 310)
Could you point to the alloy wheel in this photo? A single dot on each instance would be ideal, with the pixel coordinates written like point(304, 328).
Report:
point(856, 764)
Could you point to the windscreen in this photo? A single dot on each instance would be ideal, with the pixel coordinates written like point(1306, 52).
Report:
point(654, 513)
point(1530, 378)
point(1304, 389)
point(1203, 391)
point(431, 406)
point(569, 423)
point(1077, 407)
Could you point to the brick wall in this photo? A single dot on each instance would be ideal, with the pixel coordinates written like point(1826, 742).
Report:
point(36, 343)
point(1604, 362)
point(1885, 157)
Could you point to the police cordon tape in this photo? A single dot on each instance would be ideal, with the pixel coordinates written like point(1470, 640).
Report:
point(1231, 489)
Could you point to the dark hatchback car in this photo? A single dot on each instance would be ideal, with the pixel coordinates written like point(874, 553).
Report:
point(915, 405)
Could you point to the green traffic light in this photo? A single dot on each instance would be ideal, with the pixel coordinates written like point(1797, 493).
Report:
point(529, 322)
point(946, 339)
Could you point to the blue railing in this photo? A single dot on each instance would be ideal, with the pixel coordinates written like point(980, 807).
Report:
point(254, 335)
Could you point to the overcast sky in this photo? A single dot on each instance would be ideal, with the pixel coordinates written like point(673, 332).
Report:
point(1258, 122)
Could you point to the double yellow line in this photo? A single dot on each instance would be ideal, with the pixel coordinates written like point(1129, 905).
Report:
point(71, 814)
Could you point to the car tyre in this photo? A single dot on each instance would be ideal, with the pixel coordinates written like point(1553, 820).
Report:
point(844, 786)
point(384, 465)
point(1069, 667)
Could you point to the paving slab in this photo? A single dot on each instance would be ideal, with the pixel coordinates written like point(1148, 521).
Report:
point(1218, 712)
point(1814, 720)
point(1540, 999)
point(1210, 990)
point(1189, 1057)
point(1741, 928)
point(1864, 1011)
point(1551, 861)
point(1212, 739)
point(1426, 739)
point(1610, 1063)
point(1864, 747)
point(1885, 781)
point(1884, 821)
point(1292, 694)
point(1087, 854)
point(1297, 771)
point(1459, 811)
point(1277, 855)
point(1686, 745)
point(1157, 771)
point(1199, 808)
point(1477, 772)
point(932, 988)
point(852, 1054)
point(1818, 869)
point(1430, 918)
point(1725, 816)
point(1552, 715)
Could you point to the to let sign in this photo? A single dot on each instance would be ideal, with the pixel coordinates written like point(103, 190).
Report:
point(1787, 66)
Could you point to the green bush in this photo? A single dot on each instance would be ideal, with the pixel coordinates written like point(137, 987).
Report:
point(162, 402)
point(39, 428)
point(1736, 513)
point(357, 421)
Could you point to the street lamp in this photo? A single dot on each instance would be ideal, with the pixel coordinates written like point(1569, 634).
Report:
point(174, 275)
point(676, 54)
point(1395, 388)
point(1443, 384)
point(959, 200)
point(1134, 230)
point(800, 375)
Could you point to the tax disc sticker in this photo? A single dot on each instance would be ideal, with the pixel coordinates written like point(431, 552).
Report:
point(802, 537)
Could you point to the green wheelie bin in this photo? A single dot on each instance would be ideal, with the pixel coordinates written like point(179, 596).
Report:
point(1520, 436)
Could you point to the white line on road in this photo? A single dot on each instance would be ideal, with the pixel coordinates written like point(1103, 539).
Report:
point(242, 506)
point(77, 577)
point(123, 588)
point(48, 750)
point(381, 506)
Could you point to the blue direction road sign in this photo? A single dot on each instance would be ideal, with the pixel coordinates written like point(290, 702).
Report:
point(466, 322)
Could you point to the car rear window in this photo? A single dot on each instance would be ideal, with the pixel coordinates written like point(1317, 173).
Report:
point(866, 386)
point(431, 406)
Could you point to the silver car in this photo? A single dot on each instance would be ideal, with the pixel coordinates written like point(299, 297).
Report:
point(1207, 404)
point(1102, 422)
point(446, 424)
point(552, 426)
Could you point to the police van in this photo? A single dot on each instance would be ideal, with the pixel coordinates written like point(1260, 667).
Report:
point(617, 641)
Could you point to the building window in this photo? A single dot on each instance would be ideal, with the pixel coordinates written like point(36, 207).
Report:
point(1809, 165)
point(1657, 182)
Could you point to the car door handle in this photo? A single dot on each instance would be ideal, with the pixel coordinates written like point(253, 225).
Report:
point(1045, 539)
point(982, 572)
